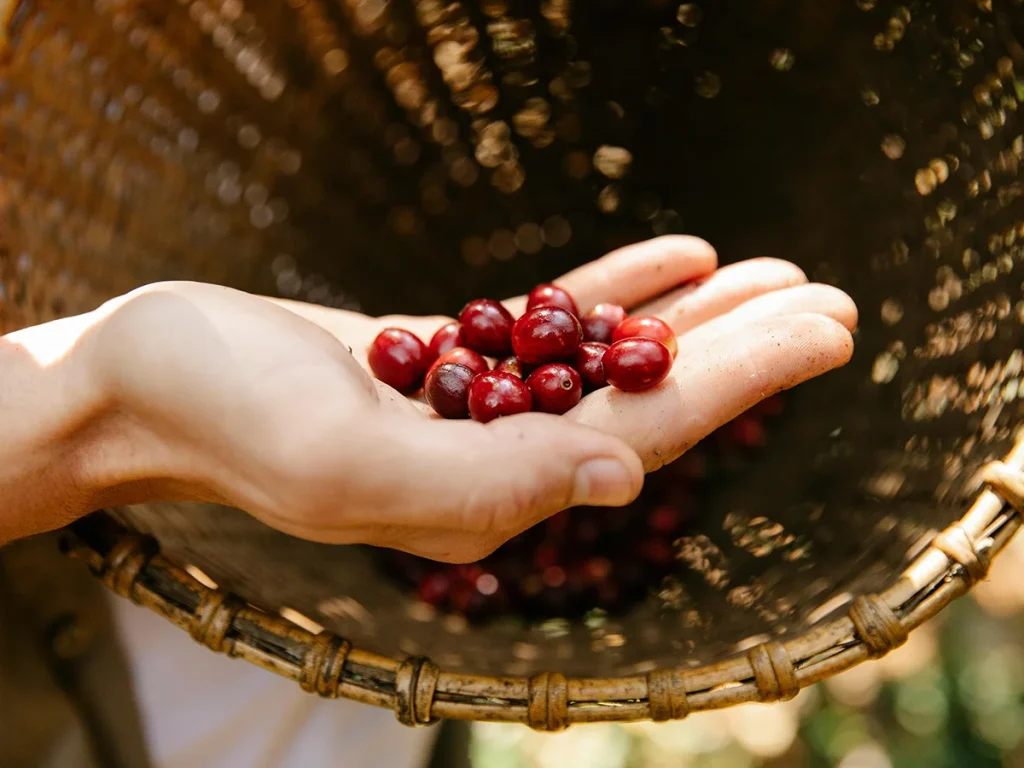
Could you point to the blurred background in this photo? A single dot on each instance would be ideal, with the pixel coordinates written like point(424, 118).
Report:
point(952, 696)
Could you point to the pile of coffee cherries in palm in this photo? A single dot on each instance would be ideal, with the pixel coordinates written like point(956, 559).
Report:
point(544, 361)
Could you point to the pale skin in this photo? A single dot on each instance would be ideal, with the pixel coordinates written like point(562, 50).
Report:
point(194, 392)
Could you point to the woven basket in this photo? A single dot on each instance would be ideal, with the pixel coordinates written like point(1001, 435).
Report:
point(316, 149)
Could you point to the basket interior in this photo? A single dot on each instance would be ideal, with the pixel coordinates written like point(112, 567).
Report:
point(876, 145)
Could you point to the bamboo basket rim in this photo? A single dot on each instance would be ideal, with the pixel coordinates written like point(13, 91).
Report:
point(420, 693)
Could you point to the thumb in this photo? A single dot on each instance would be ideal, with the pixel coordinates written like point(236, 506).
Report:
point(498, 479)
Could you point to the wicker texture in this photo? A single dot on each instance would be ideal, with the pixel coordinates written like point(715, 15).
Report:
point(319, 148)
point(420, 693)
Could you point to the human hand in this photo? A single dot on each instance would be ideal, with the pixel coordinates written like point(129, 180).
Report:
point(214, 395)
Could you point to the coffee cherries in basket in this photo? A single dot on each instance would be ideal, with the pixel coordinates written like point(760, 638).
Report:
point(489, 364)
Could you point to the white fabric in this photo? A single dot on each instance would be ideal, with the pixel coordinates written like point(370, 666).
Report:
point(204, 710)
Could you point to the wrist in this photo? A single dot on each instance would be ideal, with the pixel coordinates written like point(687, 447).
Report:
point(49, 405)
point(70, 445)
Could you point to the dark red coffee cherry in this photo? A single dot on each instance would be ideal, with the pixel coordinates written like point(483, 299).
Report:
point(547, 295)
point(546, 334)
point(476, 362)
point(636, 364)
point(486, 327)
point(496, 393)
point(555, 387)
point(511, 365)
point(746, 431)
point(647, 328)
point(600, 323)
point(399, 359)
point(665, 519)
point(447, 390)
point(434, 588)
point(589, 362)
point(447, 338)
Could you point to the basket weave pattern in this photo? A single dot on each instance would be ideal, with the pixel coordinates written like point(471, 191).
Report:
point(420, 693)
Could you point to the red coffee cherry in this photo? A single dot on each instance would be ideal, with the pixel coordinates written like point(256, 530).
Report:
point(647, 328)
point(486, 327)
point(589, 362)
point(399, 359)
point(495, 394)
point(546, 334)
point(511, 365)
point(447, 390)
point(467, 357)
point(548, 295)
point(447, 338)
point(555, 387)
point(600, 323)
point(434, 588)
point(633, 365)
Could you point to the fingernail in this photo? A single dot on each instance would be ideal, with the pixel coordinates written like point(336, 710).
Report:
point(603, 483)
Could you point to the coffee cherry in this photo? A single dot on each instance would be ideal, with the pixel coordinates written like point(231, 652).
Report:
point(600, 323)
point(555, 387)
point(447, 338)
point(546, 334)
point(434, 587)
point(447, 390)
point(486, 327)
point(665, 519)
point(495, 393)
point(476, 362)
point(746, 431)
point(512, 365)
point(547, 295)
point(589, 363)
point(647, 328)
point(399, 359)
point(636, 364)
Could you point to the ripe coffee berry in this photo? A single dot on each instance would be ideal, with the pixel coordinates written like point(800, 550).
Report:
point(476, 362)
point(746, 431)
point(495, 393)
point(546, 334)
point(647, 328)
point(555, 388)
point(486, 327)
point(600, 323)
point(511, 365)
point(447, 390)
point(548, 295)
point(636, 364)
point(447, 338)
point(399, 359)
point(433, 588)
point(589, 363)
